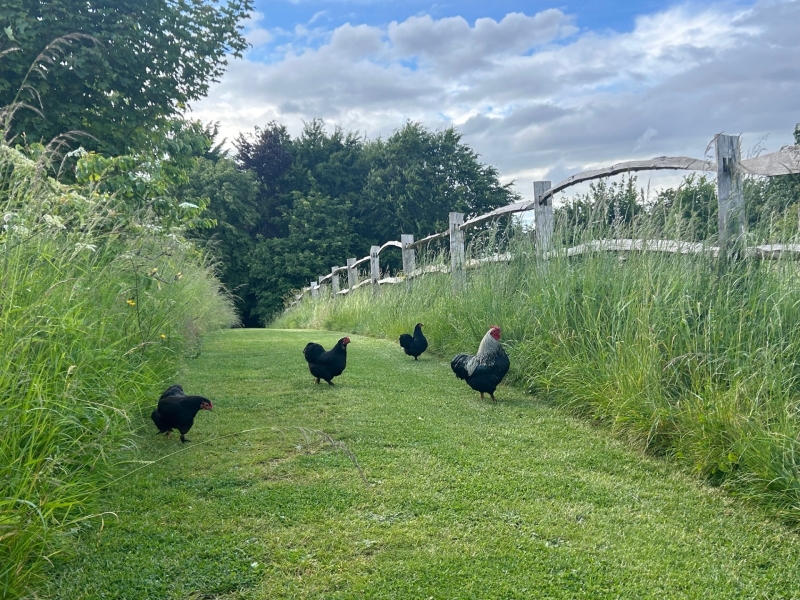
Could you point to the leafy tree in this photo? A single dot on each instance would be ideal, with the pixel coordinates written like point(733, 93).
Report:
point(616, 205)
point(324, 197)
point(133, 66)
point(773, 204)
point(418, 177)
point(319, 236)
point(688, 212)
point(151, 181)
point(232, 199)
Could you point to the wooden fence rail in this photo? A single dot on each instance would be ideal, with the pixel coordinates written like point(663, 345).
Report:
point(729, 168)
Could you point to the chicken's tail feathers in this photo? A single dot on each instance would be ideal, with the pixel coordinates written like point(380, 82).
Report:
point(156, 416)
point(172, 391)
point(459, 365)
point(406, 340)
point(312, 351)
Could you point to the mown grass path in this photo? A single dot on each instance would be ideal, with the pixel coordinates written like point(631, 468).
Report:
point(465, 498)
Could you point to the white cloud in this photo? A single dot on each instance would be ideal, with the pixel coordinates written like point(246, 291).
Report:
point(530, 94)
point(254, 33)
point(648, 135)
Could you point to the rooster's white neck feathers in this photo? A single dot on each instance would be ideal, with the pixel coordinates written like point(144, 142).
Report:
point(489, 347)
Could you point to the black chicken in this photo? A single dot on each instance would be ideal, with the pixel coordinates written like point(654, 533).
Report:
point(326, 365)
point(484, 371)
point(416, 345)
point(176, 410)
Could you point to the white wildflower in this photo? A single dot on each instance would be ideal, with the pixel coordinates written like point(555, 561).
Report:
point(81, 246)
point(187, 205)
point(79, 151)
point(54, 221)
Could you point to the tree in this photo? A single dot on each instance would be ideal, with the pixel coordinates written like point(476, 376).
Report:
point(134, 66)
point(324, 197)
point(232, 199)
point(418, 177)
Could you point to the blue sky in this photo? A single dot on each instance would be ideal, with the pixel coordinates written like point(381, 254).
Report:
point(285, 14)
point(540, 90)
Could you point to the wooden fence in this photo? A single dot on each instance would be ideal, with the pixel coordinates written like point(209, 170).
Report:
point(730, 169)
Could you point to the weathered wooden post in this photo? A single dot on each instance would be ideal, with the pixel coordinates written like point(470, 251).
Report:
point(409, 256)
point(334, 282)
point(314, 290)
point(457, 249)
point(543, 217)
point(374, 267)
point(352, 274)
point(729, 193)
point(320, 284)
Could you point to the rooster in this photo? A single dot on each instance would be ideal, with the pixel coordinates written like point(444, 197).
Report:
point(416, 345)
point(176, 410)
point(484, 371)
point(326, 365)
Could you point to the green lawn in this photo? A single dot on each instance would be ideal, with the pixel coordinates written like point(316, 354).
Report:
point(465, 498)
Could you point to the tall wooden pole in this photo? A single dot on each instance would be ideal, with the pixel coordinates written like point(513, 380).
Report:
point(457, 252)
point(409, 256)
point(729, 193)
point(334, 282)
point(374, 267)
point(352, 274)
point(543, 217)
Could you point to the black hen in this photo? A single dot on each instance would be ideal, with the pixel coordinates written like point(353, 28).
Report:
point(326, 365)
point(416, 345)
point(484, 371)
point(176, 410)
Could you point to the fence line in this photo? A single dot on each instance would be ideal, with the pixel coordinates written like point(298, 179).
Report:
point(728, 166)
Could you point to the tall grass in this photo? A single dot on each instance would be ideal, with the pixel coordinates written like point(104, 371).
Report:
point(93, 319)
point(675, 353)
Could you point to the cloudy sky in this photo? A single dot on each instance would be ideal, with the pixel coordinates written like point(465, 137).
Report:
point(541, 90)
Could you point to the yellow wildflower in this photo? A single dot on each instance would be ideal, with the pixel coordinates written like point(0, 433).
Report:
point(131, 302)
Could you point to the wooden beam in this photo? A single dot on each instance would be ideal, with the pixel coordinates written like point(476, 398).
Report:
point(429, 239)
point(654, 164)
point(785, 161)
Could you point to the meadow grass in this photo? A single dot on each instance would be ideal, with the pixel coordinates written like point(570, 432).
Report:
point(92, 319)
point(676, 354)
point(463, 498)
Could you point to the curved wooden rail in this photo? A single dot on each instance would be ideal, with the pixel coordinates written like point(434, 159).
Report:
point(786, 161)
point(654, 164)
point(428, 240)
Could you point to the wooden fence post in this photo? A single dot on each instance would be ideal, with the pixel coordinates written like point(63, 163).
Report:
point(334, 282)
point(320, 284)
point(457, 249)
point(352, 274)
point(409, 256)
point(374, 266)
point(543, 217)
point(729, 192)
point(314, 289)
